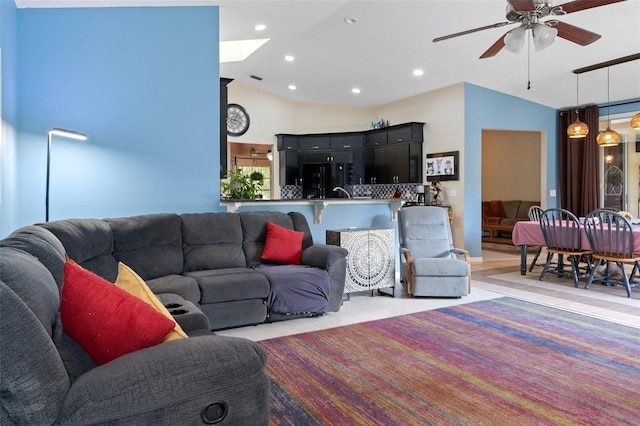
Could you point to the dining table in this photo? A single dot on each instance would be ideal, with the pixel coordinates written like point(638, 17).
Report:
point(528, 233)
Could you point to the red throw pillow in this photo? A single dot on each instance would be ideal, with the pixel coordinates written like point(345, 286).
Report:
point(105, 320)
point(283, 245)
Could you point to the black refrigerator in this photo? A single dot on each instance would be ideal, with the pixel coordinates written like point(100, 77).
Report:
point(319, 179)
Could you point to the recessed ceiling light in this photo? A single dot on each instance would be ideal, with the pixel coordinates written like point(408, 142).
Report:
point(292, 87)
point(418, 72)
point(355, 90)
point(351, 20)
point(260, 27)
point(289, 58)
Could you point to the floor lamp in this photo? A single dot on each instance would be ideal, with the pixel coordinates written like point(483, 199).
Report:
point(70, 134)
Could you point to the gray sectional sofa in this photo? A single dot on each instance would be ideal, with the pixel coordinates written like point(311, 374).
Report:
point(208, 262)
point(205, 267)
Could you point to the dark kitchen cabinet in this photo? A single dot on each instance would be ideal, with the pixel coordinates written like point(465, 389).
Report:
point(398, 159)
point(376, 138)
point(287, 142)
point(290, 168)
point(313, 143)
point(347, 141)
point(389, 155)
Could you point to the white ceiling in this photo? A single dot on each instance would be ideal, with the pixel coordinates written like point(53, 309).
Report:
point(392, 38)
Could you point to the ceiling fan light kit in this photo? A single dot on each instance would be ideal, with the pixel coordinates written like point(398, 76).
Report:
point(543, 36)
point(528, 13)
point(514, 40)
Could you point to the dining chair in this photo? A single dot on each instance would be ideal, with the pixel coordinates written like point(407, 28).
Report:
point(562, 236)
point(611, 238)
point(534, 214)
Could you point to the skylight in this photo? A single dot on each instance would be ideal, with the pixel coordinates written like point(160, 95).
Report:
point(239, 50)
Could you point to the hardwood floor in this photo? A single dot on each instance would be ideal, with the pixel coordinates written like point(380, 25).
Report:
point(497, 275)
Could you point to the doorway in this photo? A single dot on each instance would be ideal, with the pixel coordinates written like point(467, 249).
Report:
point(512, 165)
point(254, 160)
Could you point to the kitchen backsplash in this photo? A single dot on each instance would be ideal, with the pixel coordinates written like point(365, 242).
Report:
point(408, 191)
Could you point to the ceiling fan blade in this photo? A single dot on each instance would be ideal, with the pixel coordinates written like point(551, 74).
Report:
point(486, 27)
point(494, 49)
point(572, 33)
point(578, 5)
point(522, 5)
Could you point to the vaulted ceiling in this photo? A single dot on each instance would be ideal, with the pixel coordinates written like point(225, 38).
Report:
point(390, 39)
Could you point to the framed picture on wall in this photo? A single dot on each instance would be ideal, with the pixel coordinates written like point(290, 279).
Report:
point(443, 166)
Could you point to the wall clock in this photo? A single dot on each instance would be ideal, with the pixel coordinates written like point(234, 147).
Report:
point(237, 120)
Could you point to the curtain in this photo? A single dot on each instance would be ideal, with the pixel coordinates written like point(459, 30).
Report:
point(578, 162)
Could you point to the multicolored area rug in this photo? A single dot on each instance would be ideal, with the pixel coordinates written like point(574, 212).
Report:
point(496, 362)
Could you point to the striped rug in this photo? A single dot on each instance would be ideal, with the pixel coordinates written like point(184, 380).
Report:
point(497, 362)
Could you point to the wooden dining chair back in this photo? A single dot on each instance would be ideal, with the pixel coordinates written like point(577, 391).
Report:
point(611, 239)
point(534, 214)
point(562, 235)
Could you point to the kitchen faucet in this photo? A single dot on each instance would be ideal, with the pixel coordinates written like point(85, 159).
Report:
point(338, 188)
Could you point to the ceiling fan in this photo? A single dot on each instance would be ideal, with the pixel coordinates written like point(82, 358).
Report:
point(528, 13)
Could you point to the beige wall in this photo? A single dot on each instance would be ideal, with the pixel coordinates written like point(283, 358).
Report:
point(511, 165)
point(443, 112)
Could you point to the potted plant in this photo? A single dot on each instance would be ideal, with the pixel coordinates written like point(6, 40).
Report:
point(436, 190)
point(242, 187)
point(257, 176)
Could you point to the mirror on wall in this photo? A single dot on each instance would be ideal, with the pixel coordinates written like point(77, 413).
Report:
point(620, 167)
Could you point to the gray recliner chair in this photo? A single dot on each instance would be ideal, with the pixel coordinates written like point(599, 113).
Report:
point(429, 264)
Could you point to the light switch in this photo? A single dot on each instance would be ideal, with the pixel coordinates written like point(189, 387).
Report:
point(552, 193)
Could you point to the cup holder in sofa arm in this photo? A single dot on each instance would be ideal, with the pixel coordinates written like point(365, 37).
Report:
point(192, 320)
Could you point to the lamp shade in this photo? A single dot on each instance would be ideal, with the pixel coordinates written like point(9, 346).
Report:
point(514, 40)
point(608, 138)
point(635, 122)
point(577, 129)
point(543, 36)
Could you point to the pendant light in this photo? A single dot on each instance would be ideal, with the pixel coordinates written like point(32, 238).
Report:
point(635, 121)
point(577, 129)
point(608, 137)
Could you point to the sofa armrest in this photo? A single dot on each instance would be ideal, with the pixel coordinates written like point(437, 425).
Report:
point(323, 255)
point(467, 258)
point(172, 383)
point(334, 260)
point(489, 220)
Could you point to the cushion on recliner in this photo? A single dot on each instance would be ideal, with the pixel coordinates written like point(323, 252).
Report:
point(212, 241)
point(89, 242)
point(511, 208)
point(230, 284)
point(33, 380)
point(105, 320)
point(440, 267)
point(282, 245)
point(149, 244)
point(296, 288)
point(254, 230)
point(184, 286)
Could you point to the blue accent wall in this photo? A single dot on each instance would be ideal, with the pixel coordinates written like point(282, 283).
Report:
point(491, 110)
point(143, 84)
point(8, 144)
